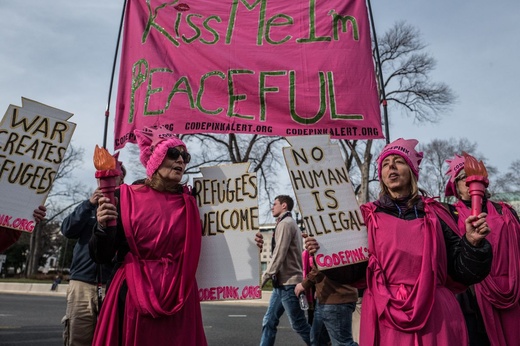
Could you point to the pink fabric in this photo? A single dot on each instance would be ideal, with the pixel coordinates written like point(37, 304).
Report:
point(406, 301)
point(8, 237)
point(498, 295)
point(404, 148)
point(275, 69)
point(455, 166)
point(307, 264)
point(162, 304)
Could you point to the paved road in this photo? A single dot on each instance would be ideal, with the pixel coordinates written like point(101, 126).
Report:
point(27, 320)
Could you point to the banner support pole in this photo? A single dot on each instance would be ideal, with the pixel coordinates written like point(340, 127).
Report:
point(380, 74)
point(107, 110)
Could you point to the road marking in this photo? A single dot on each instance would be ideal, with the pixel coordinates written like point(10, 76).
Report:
point(237, 315)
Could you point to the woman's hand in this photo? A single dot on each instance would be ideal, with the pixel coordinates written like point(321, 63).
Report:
point(259, 239)
point(311, 245)
point(106, 211)
point(39, 213)
point(476, 229)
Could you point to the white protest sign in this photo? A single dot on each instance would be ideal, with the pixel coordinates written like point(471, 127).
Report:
point(229, 265)
point(326, 199)
point(33, 142)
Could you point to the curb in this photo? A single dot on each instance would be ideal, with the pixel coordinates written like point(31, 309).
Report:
point(33, 288)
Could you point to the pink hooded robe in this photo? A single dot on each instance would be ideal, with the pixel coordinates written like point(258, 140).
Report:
point(498, 295)
point(407, 301)
point(162, 306)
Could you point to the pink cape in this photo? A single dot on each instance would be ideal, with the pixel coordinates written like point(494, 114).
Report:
point(407, 301)
point(498, 295)
point(163, 231)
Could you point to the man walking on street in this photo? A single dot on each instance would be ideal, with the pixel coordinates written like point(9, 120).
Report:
point(285, 270)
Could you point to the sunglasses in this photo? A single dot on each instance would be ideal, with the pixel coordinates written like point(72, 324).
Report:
point(174, 153)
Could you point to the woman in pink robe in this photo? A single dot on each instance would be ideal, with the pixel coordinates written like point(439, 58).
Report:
point(152, 298)
point(416, 259)
point(498, 295)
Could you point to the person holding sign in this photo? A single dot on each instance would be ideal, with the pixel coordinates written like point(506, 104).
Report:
point(285, 271)
point(153, 298)
point(10, 236)
point(493, 303)
point(416, 259)
point(335, 296)
point(83, 298)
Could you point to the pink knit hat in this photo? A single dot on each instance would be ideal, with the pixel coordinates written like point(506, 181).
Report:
point(153, 144)
point(455, 166)
point(404, 148)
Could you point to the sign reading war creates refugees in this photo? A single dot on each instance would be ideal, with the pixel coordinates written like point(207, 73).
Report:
point(326, 199)
point(276, 68)
point(33, 142)
point(227, 197)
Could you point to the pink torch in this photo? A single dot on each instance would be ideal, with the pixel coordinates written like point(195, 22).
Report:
point(106, 172)
point(476, 180)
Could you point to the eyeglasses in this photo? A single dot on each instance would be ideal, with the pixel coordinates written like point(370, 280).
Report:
point(174, 153)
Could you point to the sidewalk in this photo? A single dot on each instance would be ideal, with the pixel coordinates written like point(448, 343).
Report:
point(45, 290)
point(34, 289)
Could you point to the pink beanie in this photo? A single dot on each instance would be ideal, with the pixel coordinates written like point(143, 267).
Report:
point(153, 144)
point(404, 148)
point(455, 166)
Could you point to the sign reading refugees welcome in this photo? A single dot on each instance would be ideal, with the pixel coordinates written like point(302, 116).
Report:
point(227, 197)
point(281, 68)
point(327, 201)
point(33, 142)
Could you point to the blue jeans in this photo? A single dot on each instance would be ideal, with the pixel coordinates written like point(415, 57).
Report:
point(284, 299)
point(338, 322)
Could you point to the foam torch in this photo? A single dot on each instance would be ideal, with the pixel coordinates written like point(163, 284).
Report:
point(107, 172)
point(476, 180)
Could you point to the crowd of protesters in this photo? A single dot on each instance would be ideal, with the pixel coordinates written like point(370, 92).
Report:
point(437, 274)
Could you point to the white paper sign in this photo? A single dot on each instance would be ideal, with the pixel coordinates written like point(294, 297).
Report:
point(326, 199)
point(33, 142)
point(229, 266)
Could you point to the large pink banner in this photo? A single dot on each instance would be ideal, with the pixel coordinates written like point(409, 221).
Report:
point(279, 68)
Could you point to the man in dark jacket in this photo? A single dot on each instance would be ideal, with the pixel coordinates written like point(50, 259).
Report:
point(83, 298)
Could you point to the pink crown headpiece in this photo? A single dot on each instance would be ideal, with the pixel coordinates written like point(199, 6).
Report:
point(153, 144)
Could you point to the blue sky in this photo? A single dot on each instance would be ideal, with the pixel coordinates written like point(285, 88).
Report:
point(60, 53)
point(477, 48)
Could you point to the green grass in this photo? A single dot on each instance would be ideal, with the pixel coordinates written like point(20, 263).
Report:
point(268, 286)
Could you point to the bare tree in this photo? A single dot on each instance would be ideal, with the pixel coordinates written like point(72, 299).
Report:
point(434, 166)
point(409, 90)
point(406, 68)
point(65, 194)
point(509, 182)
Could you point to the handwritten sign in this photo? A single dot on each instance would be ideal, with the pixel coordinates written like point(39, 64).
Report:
point(327, 201)
point(33, 142)
point(278, 68)
point(227, 198)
